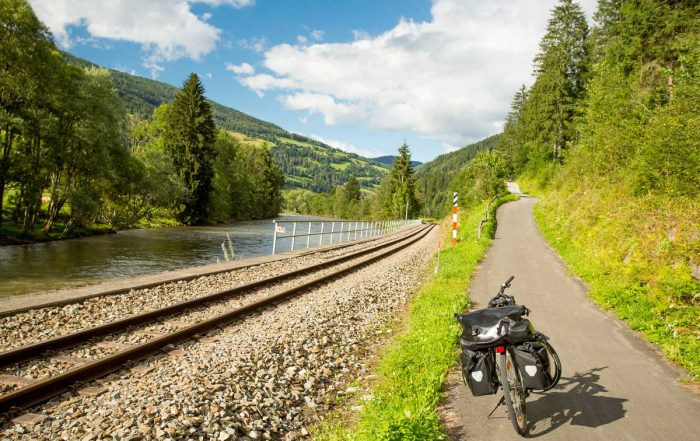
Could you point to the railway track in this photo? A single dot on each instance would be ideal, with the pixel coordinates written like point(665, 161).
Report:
point(204, 313)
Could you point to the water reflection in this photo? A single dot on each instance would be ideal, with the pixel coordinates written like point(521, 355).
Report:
point(42, 266)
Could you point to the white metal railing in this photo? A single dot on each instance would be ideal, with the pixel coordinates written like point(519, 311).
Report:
point(330, 232)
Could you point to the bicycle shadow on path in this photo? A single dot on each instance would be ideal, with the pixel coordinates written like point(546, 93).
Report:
point(574, 400)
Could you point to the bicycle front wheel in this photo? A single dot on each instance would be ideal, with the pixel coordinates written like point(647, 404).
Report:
point(513, 391)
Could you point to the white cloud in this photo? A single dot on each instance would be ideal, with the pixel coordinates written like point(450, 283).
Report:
point(209, 75)
point(451, 78)
point(359, 34)
point(333, 111)
point(344, 146)
point(241, 69)
point(317, 35)
point(167, 30)
point(256, 44)
point(260, 83)
point(235, 3)
point(301, 40)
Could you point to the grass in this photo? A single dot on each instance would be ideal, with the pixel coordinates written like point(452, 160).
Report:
point(415, 365)
point(635, 254)
point(295, 142)
point(254, 142)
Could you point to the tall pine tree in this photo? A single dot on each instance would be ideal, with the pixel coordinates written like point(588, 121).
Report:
point(397, 194)
point(511, 141)
point(560, 68)
point(189, 138)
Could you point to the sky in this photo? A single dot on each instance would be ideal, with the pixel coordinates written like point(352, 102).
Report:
point(361, 75)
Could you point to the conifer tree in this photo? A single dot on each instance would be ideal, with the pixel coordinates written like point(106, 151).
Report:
point(511, 141)
point(352, 189)
point(560, 67)
point(189, 139)
point(398, 191)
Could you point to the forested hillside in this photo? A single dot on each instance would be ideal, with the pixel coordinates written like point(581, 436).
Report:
point(434, 177)
point(388, 160)
point(306, 163)
point(608, 137)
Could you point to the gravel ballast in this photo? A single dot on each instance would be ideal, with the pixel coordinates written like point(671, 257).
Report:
point(268, 376)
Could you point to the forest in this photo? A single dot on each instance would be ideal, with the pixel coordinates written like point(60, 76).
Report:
point(74, 162)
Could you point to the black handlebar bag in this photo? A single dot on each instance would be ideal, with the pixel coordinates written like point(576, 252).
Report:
point(486, 328)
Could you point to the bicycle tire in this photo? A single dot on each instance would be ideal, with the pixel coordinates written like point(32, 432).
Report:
point(514, 393)
point(557, 365)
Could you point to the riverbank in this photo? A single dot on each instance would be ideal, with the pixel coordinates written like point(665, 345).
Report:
point(11, 234)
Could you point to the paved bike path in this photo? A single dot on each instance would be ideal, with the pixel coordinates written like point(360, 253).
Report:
point(614, 386)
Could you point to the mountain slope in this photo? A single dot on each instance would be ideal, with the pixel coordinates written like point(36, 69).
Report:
point(306, 163)
point(433, 178)
point(389, 161)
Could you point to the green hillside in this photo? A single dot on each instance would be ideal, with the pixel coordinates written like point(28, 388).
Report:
point(389, 161)
point(433, 178)
point(306, 163)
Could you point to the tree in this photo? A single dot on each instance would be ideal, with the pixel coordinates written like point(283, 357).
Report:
point(189, 139)
point(512, 141)
point(483, 178)
point(560, 69)
point(397, 196)
point(352, 189)
point(25, 47)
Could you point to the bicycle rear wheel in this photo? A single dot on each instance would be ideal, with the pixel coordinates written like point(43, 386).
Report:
point(554, 365)
point(513, 392)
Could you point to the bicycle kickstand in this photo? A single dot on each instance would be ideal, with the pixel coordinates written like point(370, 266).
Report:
point(500, 402)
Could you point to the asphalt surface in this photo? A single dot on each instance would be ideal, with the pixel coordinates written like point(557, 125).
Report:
point(614, 385)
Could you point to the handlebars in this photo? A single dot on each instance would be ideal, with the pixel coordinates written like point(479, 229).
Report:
point(502, 299)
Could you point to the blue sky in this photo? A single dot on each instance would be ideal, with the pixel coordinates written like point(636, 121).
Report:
point(360, 75)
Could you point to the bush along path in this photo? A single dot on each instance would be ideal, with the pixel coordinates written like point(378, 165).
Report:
point(402, 403)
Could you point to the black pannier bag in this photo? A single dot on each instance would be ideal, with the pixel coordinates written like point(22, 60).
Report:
point(533, 361)
point(478, 372)
point(490, 327)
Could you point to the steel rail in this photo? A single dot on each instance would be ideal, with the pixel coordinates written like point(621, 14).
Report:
point(45, 389)
point(34, 350)
point(116, 291)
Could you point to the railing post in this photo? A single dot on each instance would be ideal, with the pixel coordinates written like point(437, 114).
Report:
point(308, 236)
point(332, 231)
point(355, 238)
point(294, 235)
point(274, 238)
point(320, 241)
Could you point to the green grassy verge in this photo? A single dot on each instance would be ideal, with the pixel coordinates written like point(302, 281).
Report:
point(414, 367)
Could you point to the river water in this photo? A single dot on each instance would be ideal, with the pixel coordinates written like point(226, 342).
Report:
point(60, 264)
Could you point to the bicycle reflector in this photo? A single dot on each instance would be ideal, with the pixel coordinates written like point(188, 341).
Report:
point(500, 349)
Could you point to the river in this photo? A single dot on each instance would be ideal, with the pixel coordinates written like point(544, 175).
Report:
point(60, 264)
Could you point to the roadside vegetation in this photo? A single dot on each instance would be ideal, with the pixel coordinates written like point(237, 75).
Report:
point(415, 364)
